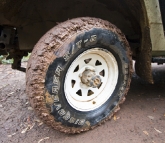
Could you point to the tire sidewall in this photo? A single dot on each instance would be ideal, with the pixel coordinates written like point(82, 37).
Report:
point(61, 110)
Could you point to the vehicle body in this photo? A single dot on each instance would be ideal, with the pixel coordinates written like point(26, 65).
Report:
point(23, 23)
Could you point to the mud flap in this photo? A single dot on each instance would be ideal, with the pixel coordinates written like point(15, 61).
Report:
point(143, 59)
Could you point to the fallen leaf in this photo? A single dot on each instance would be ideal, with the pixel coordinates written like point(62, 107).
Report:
point(43, 139)
point(30, 108)
point(158, 131)
point(145, 132)
point(151, 117)
point(24, 130)
point(29, 127)
point(40, 124)
point(114, 117)
point(11, 135)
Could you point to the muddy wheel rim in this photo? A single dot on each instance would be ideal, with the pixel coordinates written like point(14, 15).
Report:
point(83, 97)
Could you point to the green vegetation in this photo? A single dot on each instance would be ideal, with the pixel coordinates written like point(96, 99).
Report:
point(10, 61)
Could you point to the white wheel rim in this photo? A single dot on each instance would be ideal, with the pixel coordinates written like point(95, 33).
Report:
point(82, 97)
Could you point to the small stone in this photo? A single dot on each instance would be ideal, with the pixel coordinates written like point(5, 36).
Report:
point(145, 132)
point(11, 135)
point(1, 106)
point(151, 117)
point(30, 108)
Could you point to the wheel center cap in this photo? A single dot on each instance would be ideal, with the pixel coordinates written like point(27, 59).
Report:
point(89, 78)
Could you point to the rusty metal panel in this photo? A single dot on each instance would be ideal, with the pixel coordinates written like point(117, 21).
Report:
point(143, 59)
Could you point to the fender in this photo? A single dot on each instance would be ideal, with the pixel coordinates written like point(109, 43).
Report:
point(153, 40)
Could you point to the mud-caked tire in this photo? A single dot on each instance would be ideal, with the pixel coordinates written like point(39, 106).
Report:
point(78, 74)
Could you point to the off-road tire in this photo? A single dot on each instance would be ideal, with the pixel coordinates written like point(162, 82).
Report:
point(53, 55)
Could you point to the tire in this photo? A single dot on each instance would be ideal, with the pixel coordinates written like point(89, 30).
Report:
point(57, 74)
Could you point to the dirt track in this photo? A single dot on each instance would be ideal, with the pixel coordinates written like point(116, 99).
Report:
point(140, 120)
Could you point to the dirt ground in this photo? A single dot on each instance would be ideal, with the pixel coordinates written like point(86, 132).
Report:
point(140, 120)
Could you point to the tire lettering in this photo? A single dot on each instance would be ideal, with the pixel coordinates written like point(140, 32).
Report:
point(124, 83)
point(126, 71)
point(55, 89)
point(79, 44)
point(114, 36)
point(81, 122)
point(125, 77)
point(93, 38)
point(66, 56)
point(120, 93)
point(126, 66)
point(122, 89)
point(57, 106)
point(73, 47)
point(58, 70)
point(61, 112)
point(87, 123)
point(67, 116)
point(77, 121)
point(55, 79)
point(72, 120)
point(56, 98)
point(51, 109)
point(85, 40)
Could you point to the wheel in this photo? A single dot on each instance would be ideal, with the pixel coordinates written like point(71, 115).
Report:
point(78, 74)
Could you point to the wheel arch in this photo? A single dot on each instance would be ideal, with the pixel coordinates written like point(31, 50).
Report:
point(35, 21)
point(129, 16)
